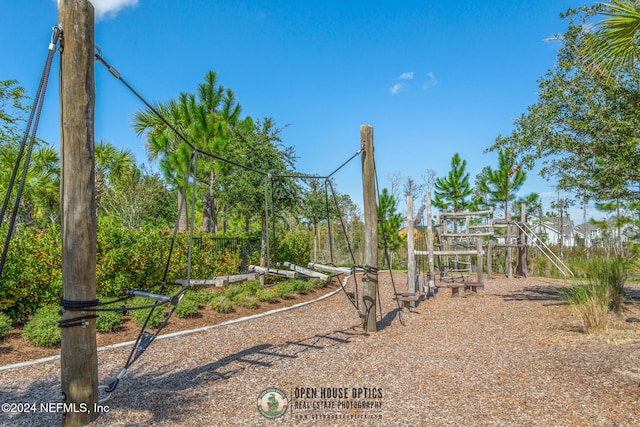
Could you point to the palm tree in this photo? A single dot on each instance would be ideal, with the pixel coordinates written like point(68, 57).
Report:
point(164, 145)
point(615, 39)
point(112, 164)
point(40, 198)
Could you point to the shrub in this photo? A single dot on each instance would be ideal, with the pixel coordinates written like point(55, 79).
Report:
point(42, 330)
point(5, 325)
point(201, 295)
point(221, 303)
point(590, 302)
point(108, 321)
point(267, 295)
point(232, 290)
point(285, 289)
point(188, 307)
point(252, 287)
point(140, 316)
point(301, 286)
point(612, 273)
point(246, 300)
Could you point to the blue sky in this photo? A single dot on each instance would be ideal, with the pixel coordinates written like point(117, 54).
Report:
point(432, 77)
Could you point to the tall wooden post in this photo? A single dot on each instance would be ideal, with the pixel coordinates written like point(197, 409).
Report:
point(432, 271)
point(508, 258)
point(370, 280)
point(79, 361)
point(411, 255)
point(521, 266)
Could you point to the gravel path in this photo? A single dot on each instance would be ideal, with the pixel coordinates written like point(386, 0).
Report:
point(512, 355)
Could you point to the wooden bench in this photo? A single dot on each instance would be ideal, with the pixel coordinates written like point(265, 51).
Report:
point(467, 286)
point(407, 298)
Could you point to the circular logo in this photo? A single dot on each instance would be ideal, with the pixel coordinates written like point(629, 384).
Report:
point(273, 403)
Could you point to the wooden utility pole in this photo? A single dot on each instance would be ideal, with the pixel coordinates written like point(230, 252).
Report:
point(79, 360)
point(370, 280)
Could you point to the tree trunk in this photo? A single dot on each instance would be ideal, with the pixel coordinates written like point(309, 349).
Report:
point(183, 222)
point(209, 218)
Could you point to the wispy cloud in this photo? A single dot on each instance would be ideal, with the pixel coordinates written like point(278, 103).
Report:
point(403, 83)
point(401, 86)
point(431, 81)
point(397, 88)
point(110, 8)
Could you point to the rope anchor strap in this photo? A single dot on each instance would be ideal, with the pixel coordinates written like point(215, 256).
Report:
point(67, 305)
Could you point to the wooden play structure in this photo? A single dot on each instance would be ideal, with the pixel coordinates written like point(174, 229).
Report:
point(459, 248)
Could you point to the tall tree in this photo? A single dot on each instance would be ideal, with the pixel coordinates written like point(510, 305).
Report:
point(501, 184)
point(164, 145)
point(584, 126)
point(389, 222)
point(453, 192)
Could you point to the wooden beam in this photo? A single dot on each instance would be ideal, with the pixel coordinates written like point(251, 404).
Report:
point(330, 268)
point(465, 214)
point(448, 253)
point(219, 280)
point(78, 352)
point(284, 273)
point(370, 280)
point(306, 271)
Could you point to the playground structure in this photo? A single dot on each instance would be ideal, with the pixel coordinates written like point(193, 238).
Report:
point(79, 304)
point(459, 247)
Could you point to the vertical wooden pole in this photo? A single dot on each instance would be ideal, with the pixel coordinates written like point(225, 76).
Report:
point(490, 260)
point(79, 361)
point(479, 261)
point(411, 256)
point(370, 280)
point(432, 272)
point(522, 241)
point(508, 259)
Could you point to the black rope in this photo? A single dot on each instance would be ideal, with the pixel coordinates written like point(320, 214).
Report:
point(179, 134)
point(384, 239)
point(30, 135)
point(326, 203)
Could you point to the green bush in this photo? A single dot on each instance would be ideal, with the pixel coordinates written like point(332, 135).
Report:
point(140, 316)
point(267, 295)
point(32, 275)
point(221, 303)
point(201, 295)
point(295, 247)
point(232, 290)
point(108, 321)
point(126, 259)
point(188, 307)
point(42, 330)
point(301, 286)
point(285, 289)
point(252, 287)
point(5, 325)
point(246, 299)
